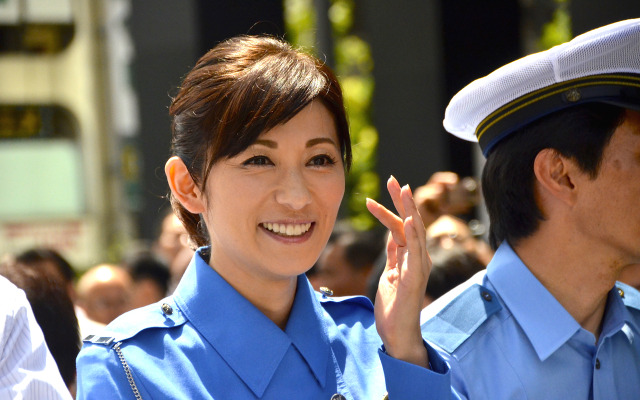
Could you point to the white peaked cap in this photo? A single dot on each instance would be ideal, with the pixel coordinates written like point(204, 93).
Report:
point(602, 65)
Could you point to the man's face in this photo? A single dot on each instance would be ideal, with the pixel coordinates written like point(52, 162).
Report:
point(608, 207)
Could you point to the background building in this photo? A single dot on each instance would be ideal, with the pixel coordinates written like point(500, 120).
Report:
point(85, 87)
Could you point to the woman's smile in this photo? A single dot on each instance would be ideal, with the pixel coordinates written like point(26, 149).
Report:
point(288, 230)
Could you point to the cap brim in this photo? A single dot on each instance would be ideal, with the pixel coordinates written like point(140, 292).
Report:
point(622, 90)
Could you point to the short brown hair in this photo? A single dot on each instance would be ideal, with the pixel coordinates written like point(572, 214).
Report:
point(241, 88)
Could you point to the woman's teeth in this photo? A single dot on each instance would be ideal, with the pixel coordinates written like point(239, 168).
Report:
point(287, 229)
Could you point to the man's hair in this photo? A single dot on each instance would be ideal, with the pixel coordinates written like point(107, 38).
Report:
point(580, 133)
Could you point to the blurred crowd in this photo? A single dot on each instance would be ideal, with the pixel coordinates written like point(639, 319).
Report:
point(69, 307)
point(353, 260)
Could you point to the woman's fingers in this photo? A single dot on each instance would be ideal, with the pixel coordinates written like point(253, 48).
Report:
point(411, 210)
point(396, 193)
point(391, 221)
point(402, 285)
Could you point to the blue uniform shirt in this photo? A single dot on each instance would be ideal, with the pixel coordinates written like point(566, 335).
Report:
point(206, 341)
point(506, 337)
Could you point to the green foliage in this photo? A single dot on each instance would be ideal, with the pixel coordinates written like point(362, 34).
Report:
point(299, 18)
point(558, 30)
point(354, 66)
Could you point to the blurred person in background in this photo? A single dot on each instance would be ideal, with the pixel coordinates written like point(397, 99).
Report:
point(346, 263)
point(445, 193)
point(451, 265)
point(172, 244)
point(449, 231)
point(27, 368)
point(104, 293)
point(446, 203)
point(150, 278)
point(52, 307)
point(52, 262)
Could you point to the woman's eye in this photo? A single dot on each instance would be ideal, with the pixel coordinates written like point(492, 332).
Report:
point(258, 160)
point(322, 160)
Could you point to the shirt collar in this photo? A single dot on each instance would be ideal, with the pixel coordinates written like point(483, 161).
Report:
point(238, 331)
point(308, 331)
point(530, 303)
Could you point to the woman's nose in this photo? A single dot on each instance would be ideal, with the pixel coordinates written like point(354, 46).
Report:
point(293, 191)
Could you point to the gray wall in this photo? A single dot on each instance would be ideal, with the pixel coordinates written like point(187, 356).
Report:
point(164, 34)
point(425, 52)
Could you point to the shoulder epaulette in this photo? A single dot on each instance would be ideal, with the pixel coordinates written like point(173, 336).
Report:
point(164, 314)
point(361, 301)
point(630, 295)
point(459, 319)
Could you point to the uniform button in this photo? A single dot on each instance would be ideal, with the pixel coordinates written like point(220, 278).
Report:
point(327, 292)
point(486, 296)
point(621, 292)
point(597, 363)
point(166, 309)
point(338, 396)
point(386, 396)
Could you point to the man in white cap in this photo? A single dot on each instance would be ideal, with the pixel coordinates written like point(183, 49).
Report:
point(548, 320)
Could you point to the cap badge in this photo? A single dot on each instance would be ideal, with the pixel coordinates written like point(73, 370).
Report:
point(573, 95)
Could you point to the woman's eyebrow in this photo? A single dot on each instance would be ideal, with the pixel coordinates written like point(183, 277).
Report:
point(267, 143)
point(316, 141)
point(312, 142)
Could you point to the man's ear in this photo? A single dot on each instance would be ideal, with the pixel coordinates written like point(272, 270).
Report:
point(183, 187)
point(556, 175)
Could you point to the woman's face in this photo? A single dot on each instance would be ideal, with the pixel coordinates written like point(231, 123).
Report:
point(270, 209)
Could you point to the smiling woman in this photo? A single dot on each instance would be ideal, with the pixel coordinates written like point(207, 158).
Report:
point(261, 147)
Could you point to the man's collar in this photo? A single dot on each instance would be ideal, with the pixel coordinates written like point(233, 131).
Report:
point(250, 343)
point(543, 319)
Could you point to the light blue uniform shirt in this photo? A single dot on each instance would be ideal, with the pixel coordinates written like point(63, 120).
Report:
point(506, 337)
point(209, 342)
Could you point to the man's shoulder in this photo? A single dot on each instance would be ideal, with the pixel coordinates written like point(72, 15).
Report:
point(630, 295)
point(456, 316)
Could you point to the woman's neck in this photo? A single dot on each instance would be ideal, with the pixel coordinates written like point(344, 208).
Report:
point(272, 296)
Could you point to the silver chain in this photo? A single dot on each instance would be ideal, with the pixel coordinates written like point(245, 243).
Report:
point(127, 371)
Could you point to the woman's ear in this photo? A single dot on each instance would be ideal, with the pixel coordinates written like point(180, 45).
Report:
point(183, 187)
point(556, 175)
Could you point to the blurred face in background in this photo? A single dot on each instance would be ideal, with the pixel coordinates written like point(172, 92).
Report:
point(334, 271)
point(104, 293)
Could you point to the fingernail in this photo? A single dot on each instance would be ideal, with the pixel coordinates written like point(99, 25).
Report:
point(408, 188)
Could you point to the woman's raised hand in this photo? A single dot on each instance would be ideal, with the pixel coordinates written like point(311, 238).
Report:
point(403, 283)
